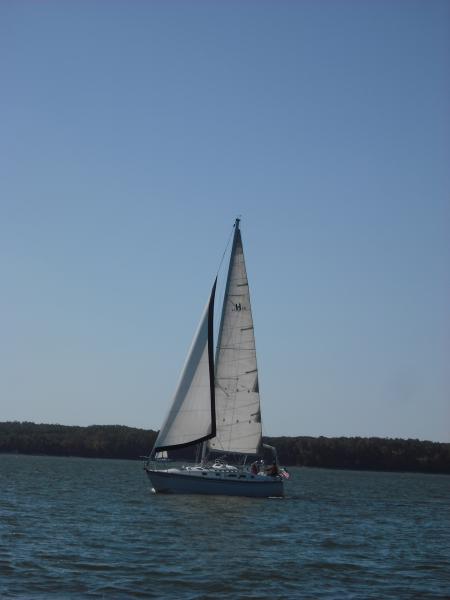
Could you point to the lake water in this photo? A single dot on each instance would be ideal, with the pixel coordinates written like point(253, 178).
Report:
point(77, 528)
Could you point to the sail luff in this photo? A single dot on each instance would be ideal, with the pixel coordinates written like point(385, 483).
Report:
point(227, 287)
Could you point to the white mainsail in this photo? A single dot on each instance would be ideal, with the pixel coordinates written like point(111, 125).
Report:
point(191, 417)
point(238, 417)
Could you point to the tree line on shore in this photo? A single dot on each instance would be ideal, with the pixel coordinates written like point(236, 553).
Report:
point(118, 441)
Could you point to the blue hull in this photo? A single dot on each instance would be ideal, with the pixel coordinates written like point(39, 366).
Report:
point(165, 482)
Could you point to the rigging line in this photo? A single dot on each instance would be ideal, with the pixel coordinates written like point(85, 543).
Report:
point(226, 248)
point(222, 292)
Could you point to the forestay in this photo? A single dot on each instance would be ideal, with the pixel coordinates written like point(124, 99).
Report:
point(238, 418)
point(191, 417)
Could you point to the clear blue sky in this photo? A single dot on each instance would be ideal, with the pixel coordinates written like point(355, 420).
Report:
point(132, 134)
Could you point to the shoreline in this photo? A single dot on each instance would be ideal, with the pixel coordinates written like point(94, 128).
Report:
point(130, 443)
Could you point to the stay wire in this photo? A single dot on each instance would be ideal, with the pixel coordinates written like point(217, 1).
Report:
point(226, 248)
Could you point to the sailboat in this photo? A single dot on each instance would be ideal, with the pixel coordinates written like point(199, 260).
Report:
point(216, 405)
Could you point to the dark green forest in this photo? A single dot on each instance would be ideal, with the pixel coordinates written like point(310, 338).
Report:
point(118, 441)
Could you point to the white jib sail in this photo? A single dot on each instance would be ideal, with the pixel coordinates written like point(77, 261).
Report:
point(238, 417)
point(190, 418)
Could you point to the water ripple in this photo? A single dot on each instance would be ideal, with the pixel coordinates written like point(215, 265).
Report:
point(81, 528)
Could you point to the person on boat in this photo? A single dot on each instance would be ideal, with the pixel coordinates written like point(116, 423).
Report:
point(272, 471)
point(254, 468)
